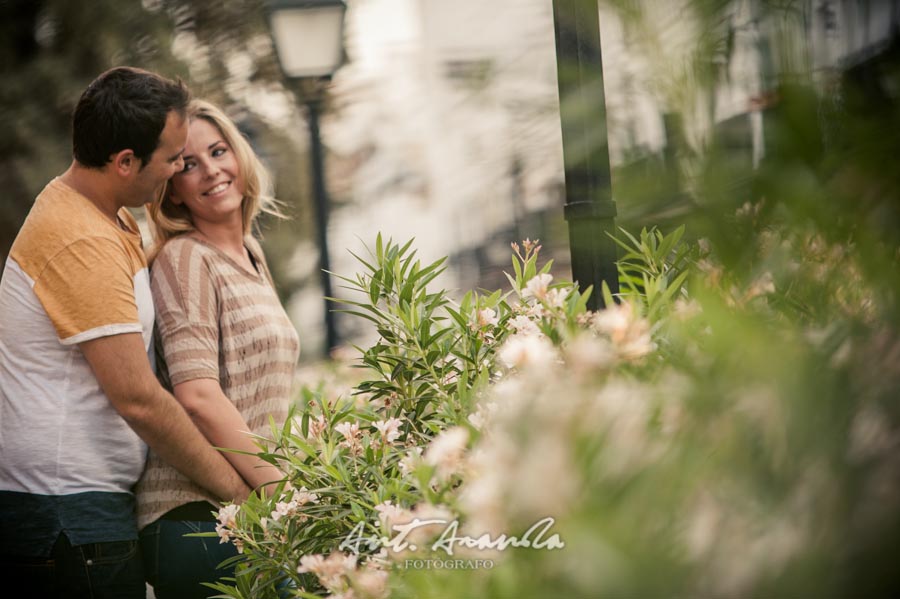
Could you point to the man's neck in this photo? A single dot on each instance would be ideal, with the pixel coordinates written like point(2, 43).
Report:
point(92, 184)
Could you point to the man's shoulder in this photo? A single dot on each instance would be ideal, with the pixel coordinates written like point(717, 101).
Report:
point(60, 220)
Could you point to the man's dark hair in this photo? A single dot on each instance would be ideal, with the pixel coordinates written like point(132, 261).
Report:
point(124, 108)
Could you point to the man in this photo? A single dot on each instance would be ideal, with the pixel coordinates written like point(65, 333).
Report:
point(79, 402)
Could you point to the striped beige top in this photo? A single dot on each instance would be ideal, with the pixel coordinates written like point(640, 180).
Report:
point(217, 320)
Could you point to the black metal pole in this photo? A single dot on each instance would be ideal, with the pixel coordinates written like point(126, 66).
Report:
point(590, 209)
point(320, 198)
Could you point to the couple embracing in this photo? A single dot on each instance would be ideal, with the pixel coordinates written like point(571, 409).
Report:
point(84, 510)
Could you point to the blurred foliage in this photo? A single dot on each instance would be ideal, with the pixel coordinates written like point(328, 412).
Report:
point(764, 461)
point(51, 49)
point(756, 451)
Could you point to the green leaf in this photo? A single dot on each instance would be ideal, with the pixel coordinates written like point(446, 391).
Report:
point(518, 282)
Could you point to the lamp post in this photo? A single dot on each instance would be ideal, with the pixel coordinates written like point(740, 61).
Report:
point(308, 37)
point(590, 209)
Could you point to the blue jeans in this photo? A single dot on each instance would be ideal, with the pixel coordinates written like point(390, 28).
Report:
point(176, 566)
point(111, 570)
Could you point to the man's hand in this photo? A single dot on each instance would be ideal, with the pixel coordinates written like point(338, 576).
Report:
point(121, 366)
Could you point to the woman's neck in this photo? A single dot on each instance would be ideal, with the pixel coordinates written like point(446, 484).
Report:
point(227, 237)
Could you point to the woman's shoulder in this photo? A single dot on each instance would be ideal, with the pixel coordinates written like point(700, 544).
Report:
point(183, 255)
point(177, 248)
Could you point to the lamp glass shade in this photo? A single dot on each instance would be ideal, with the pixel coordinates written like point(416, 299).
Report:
point(309, 41)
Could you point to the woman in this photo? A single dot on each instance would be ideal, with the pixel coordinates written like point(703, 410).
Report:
point(229, 349)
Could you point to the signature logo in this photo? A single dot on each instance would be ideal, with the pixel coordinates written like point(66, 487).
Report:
point(538, 536)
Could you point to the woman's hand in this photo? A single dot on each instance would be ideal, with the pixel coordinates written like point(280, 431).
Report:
point(223, 426)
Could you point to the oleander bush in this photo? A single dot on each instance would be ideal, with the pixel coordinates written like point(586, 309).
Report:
point(728, 426)
point(711, 432)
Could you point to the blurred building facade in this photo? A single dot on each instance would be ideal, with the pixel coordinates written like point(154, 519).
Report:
point(445, 127)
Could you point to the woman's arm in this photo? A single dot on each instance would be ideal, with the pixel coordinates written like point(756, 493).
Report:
point(120, 364)
point(221, 423)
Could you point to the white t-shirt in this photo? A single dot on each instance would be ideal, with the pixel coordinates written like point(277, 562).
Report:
point(71, 276)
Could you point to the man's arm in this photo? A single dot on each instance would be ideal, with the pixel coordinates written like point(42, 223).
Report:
point(121, 366)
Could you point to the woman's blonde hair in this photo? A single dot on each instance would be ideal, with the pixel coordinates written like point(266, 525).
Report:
point(169, 220)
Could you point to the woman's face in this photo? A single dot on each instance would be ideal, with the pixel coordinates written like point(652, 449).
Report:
point(210, 184)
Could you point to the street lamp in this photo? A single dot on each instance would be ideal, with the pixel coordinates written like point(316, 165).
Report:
point(590, 209)
point(308, 37)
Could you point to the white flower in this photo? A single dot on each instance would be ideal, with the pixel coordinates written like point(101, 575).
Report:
point(629, 333)
point(317, 427)
point(439, 515)
point(482, 414)
point(390, 514)
point(587, 353)
point(546, 480)
point(310, 563)
point(763, 285)
point(283, 508)
point(411, 461)
point(613, 320)
point(487, 317)
point(227, 514)
point(389, 429)
point(524, 326)
point(686, 309)
point(537, 287)
point(637, 346)
point(331, 571)
point(523, 351)
point(446, 451)
point(227, 520)
point(348, 430)
point(303, 496)
point(351, 436)
point(289, 508)
point(372, 583)
point(418, 527)
point(556, 298)
point(870, 435)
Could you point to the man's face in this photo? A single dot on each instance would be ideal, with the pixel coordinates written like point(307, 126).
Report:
point(163, 163)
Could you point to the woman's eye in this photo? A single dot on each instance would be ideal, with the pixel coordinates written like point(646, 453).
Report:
point(218, 152)
point(187, 166)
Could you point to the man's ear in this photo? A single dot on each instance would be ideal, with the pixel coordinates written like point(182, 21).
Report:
point(125, 163)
